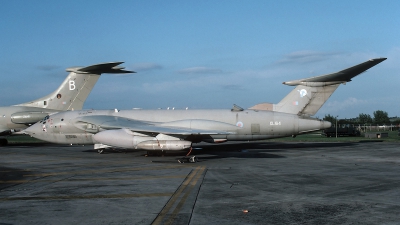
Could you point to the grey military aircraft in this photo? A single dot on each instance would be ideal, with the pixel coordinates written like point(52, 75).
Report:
point(71, 95)
point(170, 130)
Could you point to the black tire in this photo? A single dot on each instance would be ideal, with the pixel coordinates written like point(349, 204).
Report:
point(3, 142)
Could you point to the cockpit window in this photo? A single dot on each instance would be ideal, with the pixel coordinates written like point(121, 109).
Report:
point(44, 119)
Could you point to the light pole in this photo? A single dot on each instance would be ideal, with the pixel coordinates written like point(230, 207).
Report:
point(336, 125)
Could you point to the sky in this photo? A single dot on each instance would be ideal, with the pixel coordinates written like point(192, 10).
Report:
point(202, 54)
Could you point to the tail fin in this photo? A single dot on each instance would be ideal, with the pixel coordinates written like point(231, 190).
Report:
point(76, 87)
point(311, 93)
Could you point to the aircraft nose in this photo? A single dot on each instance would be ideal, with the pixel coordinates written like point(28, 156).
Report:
point(32, 130)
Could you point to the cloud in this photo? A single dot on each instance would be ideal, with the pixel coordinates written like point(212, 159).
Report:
point(233, 87)
point(48, 67)
point(306, 56)
point(393, 59)
point(200, 70)
point(51, 71)
point(142, 67)
point(338, 106)
point(166, 86)
point(195, 82)
point(263, 84)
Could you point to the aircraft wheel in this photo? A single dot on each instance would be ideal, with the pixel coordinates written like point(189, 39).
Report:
point(151, 153)
point(3, 142)
point(100, 151)
point(183, 160)
point(193, 159)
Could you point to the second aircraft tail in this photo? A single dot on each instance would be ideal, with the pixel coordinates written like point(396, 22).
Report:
point(311, 93)
point(73, 92)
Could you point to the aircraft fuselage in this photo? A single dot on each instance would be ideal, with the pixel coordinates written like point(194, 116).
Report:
point(246, 125)
point(20, 117)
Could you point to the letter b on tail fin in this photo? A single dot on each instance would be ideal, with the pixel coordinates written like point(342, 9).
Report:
point(72, 85)
point(73, 92)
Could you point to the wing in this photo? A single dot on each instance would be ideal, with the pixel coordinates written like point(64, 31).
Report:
point(180, 127)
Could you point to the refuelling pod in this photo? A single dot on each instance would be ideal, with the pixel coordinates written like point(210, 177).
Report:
point(164, 145)
point(27, 117)
point(124, 138)
point(121, 138)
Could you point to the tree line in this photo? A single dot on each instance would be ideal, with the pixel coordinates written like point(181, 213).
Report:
point(380, 118)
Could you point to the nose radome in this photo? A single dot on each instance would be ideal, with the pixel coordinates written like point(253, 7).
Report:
point(32, 129)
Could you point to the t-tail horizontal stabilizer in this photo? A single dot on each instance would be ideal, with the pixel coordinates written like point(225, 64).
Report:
point(111, 67)
point(311, 93)
point(342, 76)
point(73, 92)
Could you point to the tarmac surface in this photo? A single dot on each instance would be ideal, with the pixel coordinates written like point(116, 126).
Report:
point(247, 183)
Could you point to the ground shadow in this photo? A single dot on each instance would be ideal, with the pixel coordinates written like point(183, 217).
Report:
point(248, 150)
point(8, 175)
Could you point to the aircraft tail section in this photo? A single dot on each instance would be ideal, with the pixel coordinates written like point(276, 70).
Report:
point(311, 93)
point(305, 100)
point(73, 92)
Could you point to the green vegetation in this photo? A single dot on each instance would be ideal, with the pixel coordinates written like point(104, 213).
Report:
point(22, 139)
point(381, 117)
point(318, 137)
point(330, 118)
point(364, 119)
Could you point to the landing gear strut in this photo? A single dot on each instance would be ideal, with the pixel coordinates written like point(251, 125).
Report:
point(100, 150)
point(187, 158)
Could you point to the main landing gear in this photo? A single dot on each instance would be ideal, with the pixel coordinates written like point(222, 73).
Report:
point(187, 158)
point(103, 150)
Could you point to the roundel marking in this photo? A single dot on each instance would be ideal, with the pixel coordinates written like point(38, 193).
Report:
point(303, 92)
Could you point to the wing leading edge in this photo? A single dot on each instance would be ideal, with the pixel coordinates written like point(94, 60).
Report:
point(182, 127)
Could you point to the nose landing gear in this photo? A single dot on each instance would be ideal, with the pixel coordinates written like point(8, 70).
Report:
point(187, 158)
